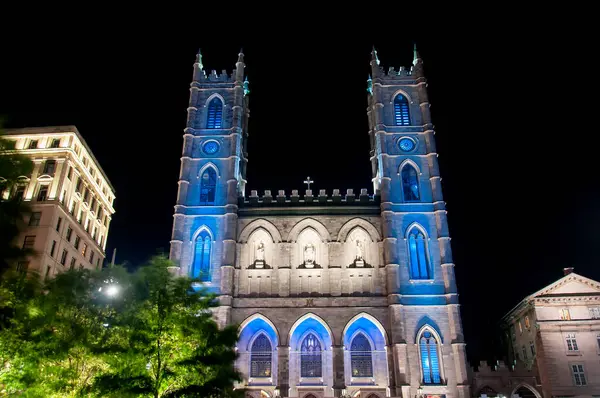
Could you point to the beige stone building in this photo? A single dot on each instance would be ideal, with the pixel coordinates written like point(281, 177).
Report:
point(556, 332)
point(336, 294)
point(71, 199)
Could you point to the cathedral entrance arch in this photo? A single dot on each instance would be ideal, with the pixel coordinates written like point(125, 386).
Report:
point(311, 360)
point(524, 390)
point(257, 351)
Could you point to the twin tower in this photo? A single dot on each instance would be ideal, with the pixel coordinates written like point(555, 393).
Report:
point(347, 294)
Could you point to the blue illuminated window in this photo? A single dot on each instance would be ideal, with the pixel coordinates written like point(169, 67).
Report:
point(260, 357)
point(201, 265)
point(360, 357)
point(429, 358)
point(410, 183)
point(401, 114)
point(417, 253)
point(310, 357)
point(208, 184)
point(215, 114)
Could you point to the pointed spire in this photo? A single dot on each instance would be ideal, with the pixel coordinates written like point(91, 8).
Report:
point(199, 59)
point(416, 55)
point(374, 55)
point(241, 55)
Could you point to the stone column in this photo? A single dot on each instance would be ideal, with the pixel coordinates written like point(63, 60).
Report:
point(338, 367)
point(283, 376)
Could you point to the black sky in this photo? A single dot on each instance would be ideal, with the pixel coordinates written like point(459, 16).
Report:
point(512, 102)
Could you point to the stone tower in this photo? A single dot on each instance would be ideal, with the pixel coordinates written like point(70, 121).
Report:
point(212, 176)
point(422, 293)
point(335, 294)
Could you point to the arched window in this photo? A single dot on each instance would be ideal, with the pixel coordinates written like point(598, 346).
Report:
point(429, 358)
point(410, 183)
point(260, 357)
point(417, 253)
point(208, 184)
point(215, 114)
point(360, 357)
point(201, 265)
point(310, 357)
point(401, 113)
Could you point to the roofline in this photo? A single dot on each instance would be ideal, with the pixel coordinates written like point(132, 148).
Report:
point(539, 293)
point(61, 129)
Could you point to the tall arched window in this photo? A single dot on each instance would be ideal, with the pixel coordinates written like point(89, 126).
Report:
point(201, 265)
point(360, 357)
point(401, 113)
point(310, 357)
point(208, 184)
point(410, 183)
point(429, 358)
point(418, 255)
point(260, 357)
point(215, 114)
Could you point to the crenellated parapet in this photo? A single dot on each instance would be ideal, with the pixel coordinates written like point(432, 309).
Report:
point(310, 198)
point(215, 77)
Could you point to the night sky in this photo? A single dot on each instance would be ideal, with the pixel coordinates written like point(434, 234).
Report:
point(513, 109)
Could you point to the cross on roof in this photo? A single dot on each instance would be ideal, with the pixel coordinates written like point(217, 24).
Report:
point(308, 181)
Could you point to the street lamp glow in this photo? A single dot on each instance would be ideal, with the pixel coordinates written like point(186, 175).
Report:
point(112, 290)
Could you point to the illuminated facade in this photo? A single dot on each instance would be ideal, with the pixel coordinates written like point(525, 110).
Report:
point(556, 333)
point(341, 294)
point(71, 200)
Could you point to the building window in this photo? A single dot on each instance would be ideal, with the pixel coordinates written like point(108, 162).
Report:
point(58, 223)
point(69, 233)
point(430, 363)
point(48, 269)
point(84, 249)
point(578, 375)
point(532, 348)
point(595, 312)
point(63, 257)
point(77, 240)
point(571, 342)
point(310, 357)
point(78, 185)
point(360, 357)
point(70, 173)
point(215, 114)
point(260, 357)
point(20, 192)
point(52, 248)
point(92, 257)
point(34, 219)
point(208, 183)
point(524, 353)
point(201, 265)
point(22, 266)
point(86, 195)
point(410, 183)
point(527, 324)
point(29, 242)
point(55, 143)
point(418, 258)
point(33, 144)
point(520, 327)
point(401, 111)
point(565, 315)
point(72, 265)
point(49, 167)
point(43, 193)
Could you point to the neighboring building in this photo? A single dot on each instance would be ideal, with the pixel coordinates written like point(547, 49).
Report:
point(343, 294)
point(71, 200)
point(557, 331)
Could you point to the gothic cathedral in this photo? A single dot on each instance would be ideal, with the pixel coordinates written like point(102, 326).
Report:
point(341, 294)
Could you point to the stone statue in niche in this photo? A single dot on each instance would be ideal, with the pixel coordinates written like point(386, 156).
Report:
point(260, 255)
point(309, 255)
point(359, 257)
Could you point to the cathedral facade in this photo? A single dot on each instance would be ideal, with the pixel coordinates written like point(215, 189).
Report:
point(341, 294)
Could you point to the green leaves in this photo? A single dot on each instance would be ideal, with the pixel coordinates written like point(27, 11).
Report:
point(154, 337)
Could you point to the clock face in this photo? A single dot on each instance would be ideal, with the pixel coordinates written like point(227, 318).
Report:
point(210, 147)
point(406, 144)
